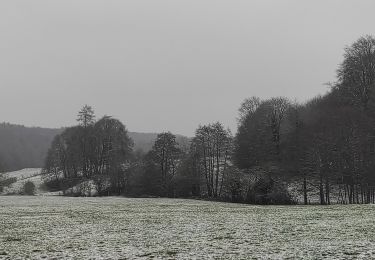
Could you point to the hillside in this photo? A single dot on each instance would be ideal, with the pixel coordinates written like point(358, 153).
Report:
point(26, 147)
point(23, 176)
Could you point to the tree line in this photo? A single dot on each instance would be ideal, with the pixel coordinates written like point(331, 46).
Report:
point(325, 146)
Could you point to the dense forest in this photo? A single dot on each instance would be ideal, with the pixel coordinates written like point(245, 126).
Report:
point(326, 144)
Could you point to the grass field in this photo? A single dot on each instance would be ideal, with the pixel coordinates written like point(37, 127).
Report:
point(120, 228)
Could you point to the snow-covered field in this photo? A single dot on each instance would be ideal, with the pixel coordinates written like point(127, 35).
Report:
point(52, 227)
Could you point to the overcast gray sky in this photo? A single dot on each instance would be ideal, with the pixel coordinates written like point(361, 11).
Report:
point(167, 65)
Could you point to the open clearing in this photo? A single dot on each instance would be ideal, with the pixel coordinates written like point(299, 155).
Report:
point(121, 228)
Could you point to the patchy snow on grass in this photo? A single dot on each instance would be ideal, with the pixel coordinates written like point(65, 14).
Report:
point(30, 174)
point(24, 174)
point(45, 227)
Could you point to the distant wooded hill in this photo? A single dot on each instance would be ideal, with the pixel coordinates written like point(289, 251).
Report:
point(26, 147)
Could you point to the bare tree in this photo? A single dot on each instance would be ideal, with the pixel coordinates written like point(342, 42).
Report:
point(356, 73)
point(248, 106)
point(166, 154)
point(277, 109)
point(213, 145)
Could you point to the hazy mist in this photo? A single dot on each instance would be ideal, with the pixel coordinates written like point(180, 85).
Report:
point(167, 65)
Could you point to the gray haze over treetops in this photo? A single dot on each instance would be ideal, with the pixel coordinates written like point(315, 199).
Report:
point(167, 65)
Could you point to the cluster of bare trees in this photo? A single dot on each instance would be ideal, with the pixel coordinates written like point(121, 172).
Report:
point(326, 146)
point(328, 143)
point(165, 154)
point(212, 148)
point(199, 170)
point(95, 152)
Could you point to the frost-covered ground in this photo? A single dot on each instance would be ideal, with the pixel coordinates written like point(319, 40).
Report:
point(52, 227)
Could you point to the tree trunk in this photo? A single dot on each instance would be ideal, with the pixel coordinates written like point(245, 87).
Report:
point(328, 201)
point(321, 190)
point(305, 201)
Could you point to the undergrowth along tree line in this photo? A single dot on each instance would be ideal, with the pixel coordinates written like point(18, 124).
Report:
point(324, 146)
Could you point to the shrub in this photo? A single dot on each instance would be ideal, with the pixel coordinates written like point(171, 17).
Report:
point(267, 191)
point(29, 188)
